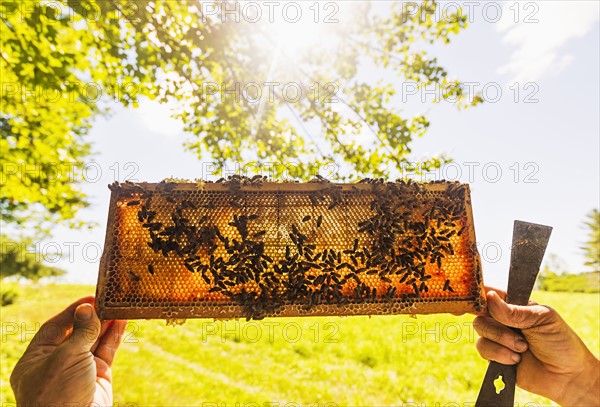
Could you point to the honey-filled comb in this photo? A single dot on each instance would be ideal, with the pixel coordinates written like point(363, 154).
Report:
point(250, 248)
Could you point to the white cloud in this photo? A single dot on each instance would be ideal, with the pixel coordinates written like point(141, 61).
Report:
point(540, 46)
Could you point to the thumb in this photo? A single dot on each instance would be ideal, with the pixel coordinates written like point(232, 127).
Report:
point(86, 329)
point(518, 316)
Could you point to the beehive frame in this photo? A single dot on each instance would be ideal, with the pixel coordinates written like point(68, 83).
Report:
point(251, 248)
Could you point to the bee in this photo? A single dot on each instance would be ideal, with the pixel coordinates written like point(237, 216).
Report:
point(306, 218)
point(320, 279)
point(319, 221)
point(447, 286)
point(133, 203)
point(260, 234)
point(134, 276)
point(151, 269)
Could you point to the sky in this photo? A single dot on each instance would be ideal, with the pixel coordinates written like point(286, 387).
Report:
point(530, 152)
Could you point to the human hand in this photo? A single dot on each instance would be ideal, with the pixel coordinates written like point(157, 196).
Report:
point(69, 359)
point(553, 361)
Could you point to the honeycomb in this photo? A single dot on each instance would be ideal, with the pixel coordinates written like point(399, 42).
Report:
point(247, 247)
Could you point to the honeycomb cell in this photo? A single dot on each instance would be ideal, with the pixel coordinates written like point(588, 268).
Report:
point(251, 248)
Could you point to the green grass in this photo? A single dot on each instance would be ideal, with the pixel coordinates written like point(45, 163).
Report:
point(310, 361)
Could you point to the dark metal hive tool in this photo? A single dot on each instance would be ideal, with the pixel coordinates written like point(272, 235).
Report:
point(529, 243)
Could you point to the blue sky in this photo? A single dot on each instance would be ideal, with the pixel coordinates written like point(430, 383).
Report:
point(536, 161)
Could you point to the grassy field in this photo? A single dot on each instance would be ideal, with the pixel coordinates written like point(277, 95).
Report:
point(356, 361)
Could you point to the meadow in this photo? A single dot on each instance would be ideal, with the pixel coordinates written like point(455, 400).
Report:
point(355, 361)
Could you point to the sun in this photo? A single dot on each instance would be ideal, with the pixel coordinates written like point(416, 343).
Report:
point(292, 38)
point(300, 27)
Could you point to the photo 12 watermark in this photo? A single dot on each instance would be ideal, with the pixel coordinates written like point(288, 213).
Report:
point(471, 172)
point(248, 92)
point(525, 12)
point(269, 331)
point(51, 332)
point(267, 404)
point(453, 92)
point(91, 172)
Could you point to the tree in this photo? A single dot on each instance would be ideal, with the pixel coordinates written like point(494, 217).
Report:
point(19, 258)
point(62, 61)
point(591, 248)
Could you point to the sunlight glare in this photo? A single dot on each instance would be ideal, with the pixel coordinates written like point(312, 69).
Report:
point(293, 38)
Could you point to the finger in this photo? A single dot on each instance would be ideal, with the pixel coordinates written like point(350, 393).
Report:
point(110, 341)
point(501, 293)
point(485, 312)
point(86, 328)
point(102, 369)
point(55, 330)
point(491, 329)
point(104, 326)
point(517, 316)
point(494, 351)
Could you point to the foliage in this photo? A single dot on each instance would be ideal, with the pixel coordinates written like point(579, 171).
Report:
point(19, 258)
point(591, 248)
point(8, 296)
point(555, 276)
point(62, 61)
point(377, 361)
point(573, 283)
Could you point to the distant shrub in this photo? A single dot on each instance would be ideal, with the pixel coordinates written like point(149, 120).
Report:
point(8, 296)
point(576, 283)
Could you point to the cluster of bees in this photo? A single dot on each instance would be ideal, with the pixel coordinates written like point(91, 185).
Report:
point(407, 230)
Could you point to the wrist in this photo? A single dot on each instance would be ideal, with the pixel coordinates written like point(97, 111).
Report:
point(584, 389)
